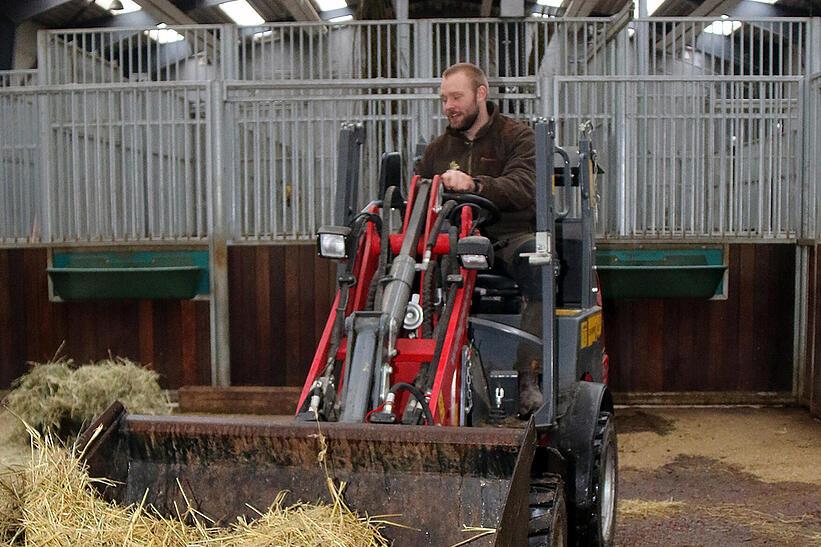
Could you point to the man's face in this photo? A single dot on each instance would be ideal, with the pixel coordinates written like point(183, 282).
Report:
point(460, 103)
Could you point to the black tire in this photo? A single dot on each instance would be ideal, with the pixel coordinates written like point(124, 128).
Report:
point(595, 526)
point(547, 525)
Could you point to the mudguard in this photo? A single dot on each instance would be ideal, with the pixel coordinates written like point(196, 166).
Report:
point(576, 432)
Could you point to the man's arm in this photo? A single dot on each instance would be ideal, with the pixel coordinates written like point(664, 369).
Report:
point(514, 189)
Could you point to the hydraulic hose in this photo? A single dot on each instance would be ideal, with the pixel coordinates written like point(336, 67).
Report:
point(418, 395)
point(428, 290)
point(384, 249)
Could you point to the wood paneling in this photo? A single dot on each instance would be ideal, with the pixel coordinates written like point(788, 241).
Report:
point(743, 343)
point(165, 335)
point(813, 375)
point(280, 297)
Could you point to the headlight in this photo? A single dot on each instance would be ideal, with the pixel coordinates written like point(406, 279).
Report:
point(475, 253)
point(332, 242)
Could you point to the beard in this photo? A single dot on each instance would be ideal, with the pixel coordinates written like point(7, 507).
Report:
point(468, 120)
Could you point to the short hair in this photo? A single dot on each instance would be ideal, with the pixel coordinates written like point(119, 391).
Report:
point(475, 74)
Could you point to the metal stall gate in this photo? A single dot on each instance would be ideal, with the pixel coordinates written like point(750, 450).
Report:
point(281, 163)
point(197, 134)
point(695, 157)
point(21, 203)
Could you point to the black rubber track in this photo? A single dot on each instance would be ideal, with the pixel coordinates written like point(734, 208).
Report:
point(547, 526)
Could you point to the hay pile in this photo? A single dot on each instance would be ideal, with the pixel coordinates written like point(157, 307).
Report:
point(51, 501)
point(60, 396)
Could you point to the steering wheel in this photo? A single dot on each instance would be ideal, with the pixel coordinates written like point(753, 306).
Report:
point(488, 212)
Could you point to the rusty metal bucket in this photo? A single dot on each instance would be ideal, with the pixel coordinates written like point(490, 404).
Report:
point(438, 479)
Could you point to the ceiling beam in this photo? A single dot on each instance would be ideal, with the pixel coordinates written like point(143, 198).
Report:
point(301, 10)
point(705, 9)
point(166, 12)
point(18, 12)
point(579, 8)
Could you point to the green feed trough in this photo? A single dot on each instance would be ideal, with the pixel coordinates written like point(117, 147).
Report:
point(660, 273)
point(117, 275)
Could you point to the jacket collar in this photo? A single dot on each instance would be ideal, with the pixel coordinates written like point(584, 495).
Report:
point(493, 114)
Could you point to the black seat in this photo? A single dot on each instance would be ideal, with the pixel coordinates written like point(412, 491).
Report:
point(496, 283)
point(495, 293)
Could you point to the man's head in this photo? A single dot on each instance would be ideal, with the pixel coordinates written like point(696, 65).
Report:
point(464, 94)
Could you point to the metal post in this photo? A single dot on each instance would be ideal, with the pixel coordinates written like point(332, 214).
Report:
point(218, 239)
point(43, 192)
point(642, 42)
point(351, 138)
point(620, 115)
point(403, 38)
point(543, 258)
point(807, 227)
point(586, 189)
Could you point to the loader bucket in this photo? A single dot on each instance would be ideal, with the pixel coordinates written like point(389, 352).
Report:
point(439, 479)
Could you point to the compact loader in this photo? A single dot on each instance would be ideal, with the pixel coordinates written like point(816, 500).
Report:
point(412, 393)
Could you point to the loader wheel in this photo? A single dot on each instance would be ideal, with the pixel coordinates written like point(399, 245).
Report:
point(596, 526)
point(547, 526)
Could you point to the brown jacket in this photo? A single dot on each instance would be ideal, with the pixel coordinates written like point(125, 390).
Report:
point(503, 158)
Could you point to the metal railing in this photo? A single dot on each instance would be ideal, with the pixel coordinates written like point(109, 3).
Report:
point(283, 152)
point(322, 51)
point(18, 78)
point(714, 147)
point(19, 167)
point(420, 48)
point(696, 157)
point(813, 180)
point(729, 47)
point(127, 163)
point(119, 55)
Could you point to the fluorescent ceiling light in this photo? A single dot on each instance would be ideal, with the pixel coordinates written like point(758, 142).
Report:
point(724, 26)
point(652, 6)
point(164, 35)
point(341, 19)
point(263, 35)
point(771, 2)
point(241, 12)
point(128, 6)
point(330, 5)
point(550, 3)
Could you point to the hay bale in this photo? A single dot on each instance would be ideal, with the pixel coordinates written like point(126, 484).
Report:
point(90, 389)
point(34, 395)
point(59, 396)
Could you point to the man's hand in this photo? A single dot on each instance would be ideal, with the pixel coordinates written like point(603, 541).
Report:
point(458, 181)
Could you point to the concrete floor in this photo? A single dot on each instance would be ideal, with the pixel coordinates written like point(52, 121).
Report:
point(719, 476)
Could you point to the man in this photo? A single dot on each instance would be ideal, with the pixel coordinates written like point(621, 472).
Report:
point(486, 153)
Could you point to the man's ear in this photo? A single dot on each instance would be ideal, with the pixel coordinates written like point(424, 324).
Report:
point(481, 93)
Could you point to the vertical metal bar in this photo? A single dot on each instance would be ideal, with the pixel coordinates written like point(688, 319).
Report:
point(257, 158)
point(218, 239)
point(763, 121)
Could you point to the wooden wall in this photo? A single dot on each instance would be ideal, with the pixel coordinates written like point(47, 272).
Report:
point(171, 336)
point(280, 298)
point(743, 343)
point(812, 396)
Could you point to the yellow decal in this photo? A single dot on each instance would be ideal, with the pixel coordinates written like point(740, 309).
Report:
point(591, 329)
